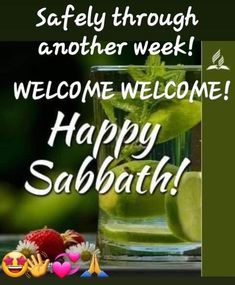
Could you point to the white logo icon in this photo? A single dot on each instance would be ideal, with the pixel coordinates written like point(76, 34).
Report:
point(218, 62)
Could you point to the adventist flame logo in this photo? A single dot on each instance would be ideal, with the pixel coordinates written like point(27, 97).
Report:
point(218, 62)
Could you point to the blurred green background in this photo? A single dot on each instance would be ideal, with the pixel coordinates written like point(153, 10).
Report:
point(25, 128)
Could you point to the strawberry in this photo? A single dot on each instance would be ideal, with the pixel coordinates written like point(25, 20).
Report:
point(72, 237)
point(49, 242)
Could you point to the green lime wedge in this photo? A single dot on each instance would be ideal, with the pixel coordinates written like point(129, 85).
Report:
point(175, 117)
point(134, 205)
point(184, 210)
point(137, 233)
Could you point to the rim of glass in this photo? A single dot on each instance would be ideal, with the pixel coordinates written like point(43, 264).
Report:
point(125, 67)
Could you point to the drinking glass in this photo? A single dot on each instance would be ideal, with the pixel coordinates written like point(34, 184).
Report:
point(133, 227)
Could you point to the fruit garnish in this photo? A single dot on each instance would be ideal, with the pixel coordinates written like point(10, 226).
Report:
point(184, 210)
point(128, 204)
point(71, 237)
point(49, 242)
point(138, 233)
point(175, 118)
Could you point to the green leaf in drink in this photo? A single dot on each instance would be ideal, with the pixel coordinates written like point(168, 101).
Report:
point(175, 116)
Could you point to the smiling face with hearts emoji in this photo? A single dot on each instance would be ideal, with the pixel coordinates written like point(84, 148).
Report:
point(66, 268)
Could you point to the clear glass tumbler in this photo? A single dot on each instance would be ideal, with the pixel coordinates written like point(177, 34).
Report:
point(133, 226)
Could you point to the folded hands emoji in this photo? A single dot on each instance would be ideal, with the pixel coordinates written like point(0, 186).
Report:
point(94, 268)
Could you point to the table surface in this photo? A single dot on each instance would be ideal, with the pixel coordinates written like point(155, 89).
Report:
point(9, 242)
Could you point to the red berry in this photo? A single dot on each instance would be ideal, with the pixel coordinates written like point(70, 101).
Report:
point(48, 241)
point(72, 237)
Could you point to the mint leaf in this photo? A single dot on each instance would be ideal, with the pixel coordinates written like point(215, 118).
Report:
point(109, 110)
point(152, 110)
point(153, 60)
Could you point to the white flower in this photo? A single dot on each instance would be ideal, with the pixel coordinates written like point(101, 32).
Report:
point(27, 248)
point(85, 249)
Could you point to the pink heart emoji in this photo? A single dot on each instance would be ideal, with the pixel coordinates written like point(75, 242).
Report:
point(61, 270)
point(74, 256)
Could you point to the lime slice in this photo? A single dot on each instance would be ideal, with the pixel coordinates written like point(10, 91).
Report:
point(134, 205)
point(175, 117)
point(137, 233)
point(184, 210)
